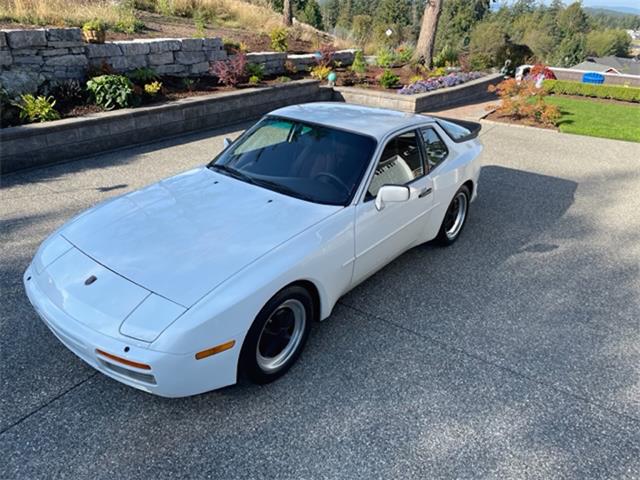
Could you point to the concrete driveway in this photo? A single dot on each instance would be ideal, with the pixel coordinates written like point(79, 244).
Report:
point(513, 354)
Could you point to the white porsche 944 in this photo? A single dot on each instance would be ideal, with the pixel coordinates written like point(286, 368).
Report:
point(219, 272)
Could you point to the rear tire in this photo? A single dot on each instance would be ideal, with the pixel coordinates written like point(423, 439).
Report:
point(278, 335)
point(455, 218)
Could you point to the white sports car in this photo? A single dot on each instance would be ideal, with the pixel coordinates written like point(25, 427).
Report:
point(183, 286)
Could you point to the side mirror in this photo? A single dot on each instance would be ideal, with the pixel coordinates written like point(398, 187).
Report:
point(391, 193)
point(226, 142)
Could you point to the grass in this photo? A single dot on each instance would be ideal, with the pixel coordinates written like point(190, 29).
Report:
point(230, 13)
point(598, 119)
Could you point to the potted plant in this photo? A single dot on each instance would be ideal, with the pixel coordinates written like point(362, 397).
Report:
point(94, 31)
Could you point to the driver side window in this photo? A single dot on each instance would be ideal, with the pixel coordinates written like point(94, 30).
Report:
point(400, 163)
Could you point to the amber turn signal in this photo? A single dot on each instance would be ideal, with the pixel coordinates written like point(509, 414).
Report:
point(124, 361)
point(217, 349)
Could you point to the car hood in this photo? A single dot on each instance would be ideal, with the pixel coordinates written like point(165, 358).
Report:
point(183, 236)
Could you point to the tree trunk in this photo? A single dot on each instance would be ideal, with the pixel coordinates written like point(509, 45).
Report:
point(427, 39)
point(287, 13)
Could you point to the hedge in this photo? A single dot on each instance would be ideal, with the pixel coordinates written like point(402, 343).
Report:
point(613, 92)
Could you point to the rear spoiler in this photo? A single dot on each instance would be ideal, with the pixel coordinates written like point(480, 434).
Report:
point(473, 128)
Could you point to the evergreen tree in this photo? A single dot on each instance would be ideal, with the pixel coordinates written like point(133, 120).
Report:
point(330, 13)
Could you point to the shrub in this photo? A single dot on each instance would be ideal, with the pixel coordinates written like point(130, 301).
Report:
point(231, 71)
point(361, 29)
point(320, 72)
point(95, 25)
point(189, 84)
point(283, 79)
point(437, 72)
point(290, 67)
point(416, 79)
point(37, 109)
point(324, 56)
point(447, 57)
point(152, 88)
point(612, 92)
point(68, 91)
point(232, 47)
point(279, 39)
point(404, 53)
point(255, 70)
point(142, 76)
point(111, 91)
point(359, 65)
point(385, 57)
point(388, 79)
point(523, 101)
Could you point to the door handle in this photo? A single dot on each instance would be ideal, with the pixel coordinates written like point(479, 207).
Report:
point(425, 192)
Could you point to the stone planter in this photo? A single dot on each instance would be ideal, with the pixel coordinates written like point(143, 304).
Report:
point(43, 143)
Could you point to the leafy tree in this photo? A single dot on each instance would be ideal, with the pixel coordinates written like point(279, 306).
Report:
point(361, 26)
point(573, 20)
point(394, 15)
point(330, 13)
point(312, 14)
point(488, 39)
point(608, 42)
point(459, 16)
point(572, 50)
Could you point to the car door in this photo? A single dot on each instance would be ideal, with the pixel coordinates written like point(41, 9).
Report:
point(381, 235)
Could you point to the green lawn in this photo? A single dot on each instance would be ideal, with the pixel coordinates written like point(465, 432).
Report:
point(598, 119)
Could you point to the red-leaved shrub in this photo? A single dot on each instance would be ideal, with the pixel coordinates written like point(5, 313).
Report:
point(231, 71)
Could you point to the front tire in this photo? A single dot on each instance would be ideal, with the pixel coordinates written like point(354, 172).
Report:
point(455, 218)
point(278, 335)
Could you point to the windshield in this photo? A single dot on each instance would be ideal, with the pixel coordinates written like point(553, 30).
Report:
point(311, 162)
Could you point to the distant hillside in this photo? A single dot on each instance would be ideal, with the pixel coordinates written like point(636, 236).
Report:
point(617, 11)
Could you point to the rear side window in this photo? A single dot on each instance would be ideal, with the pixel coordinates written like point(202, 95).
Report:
point(434, 147)
point(455, 131)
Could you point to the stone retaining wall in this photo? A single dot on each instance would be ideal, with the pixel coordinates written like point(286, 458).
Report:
point(38, 144)
point(28, 58)
point(465, 93)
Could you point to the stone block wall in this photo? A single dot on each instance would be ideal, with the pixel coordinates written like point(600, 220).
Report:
point(29, 58)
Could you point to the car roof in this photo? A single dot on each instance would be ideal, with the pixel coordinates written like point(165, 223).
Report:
point(376, 122)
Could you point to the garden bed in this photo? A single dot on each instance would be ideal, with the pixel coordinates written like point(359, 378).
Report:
point(36, 144)
point(468, 92)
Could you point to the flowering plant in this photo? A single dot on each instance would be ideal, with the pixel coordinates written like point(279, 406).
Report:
point(436, 83)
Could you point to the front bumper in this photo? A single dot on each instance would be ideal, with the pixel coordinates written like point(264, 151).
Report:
point(170, 375)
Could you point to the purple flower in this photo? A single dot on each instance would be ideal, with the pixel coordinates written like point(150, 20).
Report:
point(446, 81)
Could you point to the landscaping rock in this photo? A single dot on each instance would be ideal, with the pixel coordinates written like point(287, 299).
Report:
point(3, 40)
point(68, 61)
point(6, 58)
point(199, 68)
point(163, 45)
point(24, 52)
point(103, 50)
point(189, 58)
point(67, 45)
point(215, 55)
point(51, 52)
point(191, 44)
point(26, 38)
point(171, 69)
point(64, 35)
point(19, 82)
point(135, 61)
point(212, 43)
point(161, 58)
point(28, 60)
point(133, 47)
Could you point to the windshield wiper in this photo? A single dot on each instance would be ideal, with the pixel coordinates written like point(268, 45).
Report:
point(232, 172)
point(280, 188)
